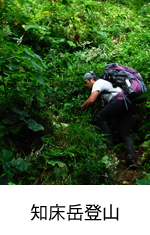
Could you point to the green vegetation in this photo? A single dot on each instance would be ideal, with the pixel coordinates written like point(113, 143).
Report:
point(46, 48)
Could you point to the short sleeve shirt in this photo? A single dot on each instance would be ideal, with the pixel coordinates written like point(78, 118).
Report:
point(103, 85)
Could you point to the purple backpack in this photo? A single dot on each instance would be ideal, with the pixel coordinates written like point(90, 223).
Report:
point(126, 78)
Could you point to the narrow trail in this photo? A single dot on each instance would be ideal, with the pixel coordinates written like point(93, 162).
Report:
point(127, 175)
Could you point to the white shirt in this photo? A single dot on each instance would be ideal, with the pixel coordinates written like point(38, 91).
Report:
point(103, 85)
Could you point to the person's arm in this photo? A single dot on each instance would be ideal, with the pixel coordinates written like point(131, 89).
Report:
point(90, 100)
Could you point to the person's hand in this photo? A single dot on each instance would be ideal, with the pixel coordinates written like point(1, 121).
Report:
point(79, 108)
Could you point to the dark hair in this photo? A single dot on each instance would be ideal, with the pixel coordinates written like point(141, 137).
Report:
point(90, 74)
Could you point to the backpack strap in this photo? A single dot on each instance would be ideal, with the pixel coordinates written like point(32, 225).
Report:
point(125, 97)
point(105, 93)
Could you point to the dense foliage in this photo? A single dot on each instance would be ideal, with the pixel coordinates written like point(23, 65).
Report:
point(46, 48)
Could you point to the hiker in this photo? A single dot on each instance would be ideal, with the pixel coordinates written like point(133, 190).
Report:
point(115, 107)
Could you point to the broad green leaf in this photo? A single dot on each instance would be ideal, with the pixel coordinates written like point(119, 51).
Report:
point(35, 65)
point(71, 43)
point(19, 164)
point(4, 179)
point(16, 39)
point(13, 65)
point(105, 159)
point(21, 113)
point(40, 79)
point(53, 152)
point(29, 53)
point(33, 125)
point(62, 40)
point(27, 27)
point(142, 182)
point(33, 55)
point(51, 162)
point(60, 164)
point(101, 33)
point(12, 119)
point(39, 127)
point(40, 59)
point(49, 91)
point(10, 183)
point(144, 126)
point(7, 156)
point(7, 168)
point(145, 181)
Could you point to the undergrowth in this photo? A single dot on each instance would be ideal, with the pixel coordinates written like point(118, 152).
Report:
point(46, 48)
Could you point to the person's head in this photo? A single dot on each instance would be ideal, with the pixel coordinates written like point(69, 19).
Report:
point(90, 78)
